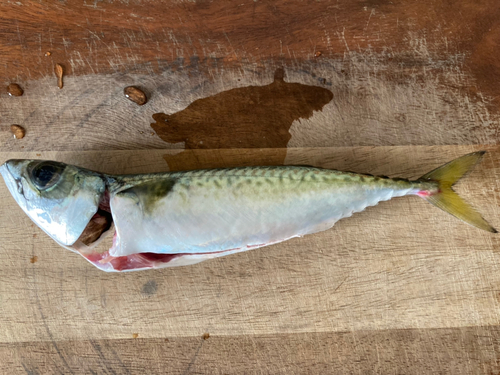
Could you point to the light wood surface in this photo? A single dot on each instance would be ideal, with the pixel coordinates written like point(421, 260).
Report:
point(469, 350)
point(375, 87)
point(401, 265)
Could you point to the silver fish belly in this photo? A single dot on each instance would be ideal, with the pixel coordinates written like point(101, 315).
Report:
point(180, 218)
point(215, 210)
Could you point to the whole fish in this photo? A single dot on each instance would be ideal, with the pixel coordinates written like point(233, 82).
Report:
point(180, 218)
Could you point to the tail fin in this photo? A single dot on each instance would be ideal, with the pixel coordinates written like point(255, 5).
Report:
point(449, 201)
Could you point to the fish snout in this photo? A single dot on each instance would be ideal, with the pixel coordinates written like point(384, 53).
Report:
point(12, 173)
point(14, 167)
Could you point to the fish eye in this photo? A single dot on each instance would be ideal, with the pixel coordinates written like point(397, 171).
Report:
point(46, 174)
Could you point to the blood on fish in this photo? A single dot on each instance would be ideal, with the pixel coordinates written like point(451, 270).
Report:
point(255, 246)
point(130, 262)
point(141, 260)
point(424, 193)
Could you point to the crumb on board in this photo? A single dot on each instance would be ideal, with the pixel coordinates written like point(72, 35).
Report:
point(48, 53)
point(206, 336)
point(18, 131)
point(34, 259)
point(15, 90)
point(135, 335)
point(135, 94)
point(318, 54)
point(58, 69)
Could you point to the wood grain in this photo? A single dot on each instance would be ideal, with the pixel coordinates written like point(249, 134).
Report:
point(468, 350)
point(91, 112)
point(148, 36)
point(400, 74)
point(385, 87)
point(403, 264)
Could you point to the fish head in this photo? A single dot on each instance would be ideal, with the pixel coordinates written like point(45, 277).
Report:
point(60, 198)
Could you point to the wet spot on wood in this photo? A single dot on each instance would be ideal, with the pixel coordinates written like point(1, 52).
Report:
point(401, 117)
point(135, 94)
point(18, 131)
point(59, 70)
point(135, 335)
point(150, 288)
point(34, 259)
point(15, 90)
point(206, 336)
point(245, 117)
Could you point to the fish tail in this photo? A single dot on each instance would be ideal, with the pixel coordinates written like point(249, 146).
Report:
point(447, 199)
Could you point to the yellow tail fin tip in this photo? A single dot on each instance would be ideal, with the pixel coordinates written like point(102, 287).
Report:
point(447, 199)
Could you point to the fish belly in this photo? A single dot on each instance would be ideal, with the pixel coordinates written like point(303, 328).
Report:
point(204, 215)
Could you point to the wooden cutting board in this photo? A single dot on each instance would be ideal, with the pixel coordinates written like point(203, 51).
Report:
point(375, 87)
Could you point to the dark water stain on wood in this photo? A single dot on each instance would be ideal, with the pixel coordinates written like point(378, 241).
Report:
point(247, 117)
point(15, 90)
point(150, 288)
